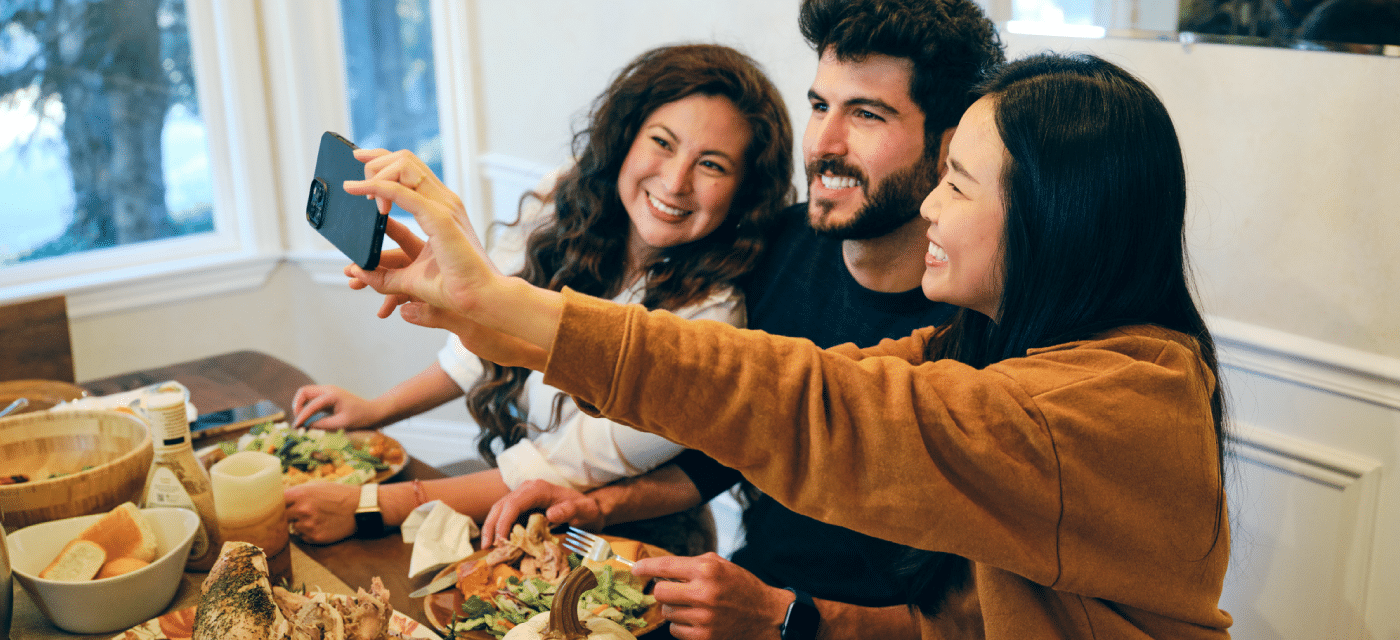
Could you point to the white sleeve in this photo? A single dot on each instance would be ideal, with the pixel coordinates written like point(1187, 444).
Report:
point(461, 365)
point(584, 452)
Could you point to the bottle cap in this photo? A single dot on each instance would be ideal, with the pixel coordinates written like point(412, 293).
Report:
point(166, 413)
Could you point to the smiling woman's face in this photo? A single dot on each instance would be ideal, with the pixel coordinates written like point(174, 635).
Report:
point(967, 217)
point(682, 172)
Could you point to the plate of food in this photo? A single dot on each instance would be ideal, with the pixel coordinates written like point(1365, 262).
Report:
point(502, 587)
point(239, 601)
point(179, 625)
point(349, 457)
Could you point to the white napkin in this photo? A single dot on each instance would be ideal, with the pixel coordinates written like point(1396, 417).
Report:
point(440, 536)
point(129, 399)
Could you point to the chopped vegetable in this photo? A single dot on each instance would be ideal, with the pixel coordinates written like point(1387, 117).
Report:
point(617, 597)
point(315, 454)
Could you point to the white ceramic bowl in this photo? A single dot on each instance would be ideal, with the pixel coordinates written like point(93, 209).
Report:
point(109, 604)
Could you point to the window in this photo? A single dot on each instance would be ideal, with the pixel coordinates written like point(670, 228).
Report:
point(101, 139)
point(189, 213)
point(1091, 18)
point(250, 88)
point(357, 67)
point(391, 81)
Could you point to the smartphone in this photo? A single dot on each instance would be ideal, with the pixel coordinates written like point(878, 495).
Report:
point(217, 422)
point(352, 223)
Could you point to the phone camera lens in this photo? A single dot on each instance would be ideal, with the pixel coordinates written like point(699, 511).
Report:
point(316, 204)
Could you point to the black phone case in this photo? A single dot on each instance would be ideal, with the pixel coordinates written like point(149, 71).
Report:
point(235, 419)
point(351, 223)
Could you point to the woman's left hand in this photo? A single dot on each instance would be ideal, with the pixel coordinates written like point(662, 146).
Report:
point(321, 512)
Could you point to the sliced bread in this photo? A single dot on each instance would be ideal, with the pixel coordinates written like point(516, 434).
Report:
point(120, 566)
point(123, 533)
point(79, 561)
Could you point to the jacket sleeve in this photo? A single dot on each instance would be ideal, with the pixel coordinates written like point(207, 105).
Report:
point(1068, 467)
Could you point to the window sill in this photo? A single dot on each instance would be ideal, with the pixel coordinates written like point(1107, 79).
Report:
point(325, 267)
point(124, 289)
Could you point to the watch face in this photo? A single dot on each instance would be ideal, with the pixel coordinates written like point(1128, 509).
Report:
point(369, 524)
point(801, 621)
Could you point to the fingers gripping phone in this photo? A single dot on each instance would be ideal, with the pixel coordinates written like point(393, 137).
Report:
point(352, 223)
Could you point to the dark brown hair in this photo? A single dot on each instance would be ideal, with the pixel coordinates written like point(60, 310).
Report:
point(951, 43)
point(584, 246)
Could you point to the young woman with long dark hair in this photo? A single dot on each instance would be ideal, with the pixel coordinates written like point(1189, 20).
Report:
point(1064, 433)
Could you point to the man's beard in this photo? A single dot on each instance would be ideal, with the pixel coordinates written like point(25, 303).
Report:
point(894, 202)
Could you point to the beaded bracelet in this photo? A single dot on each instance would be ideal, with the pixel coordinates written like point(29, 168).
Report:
point(419, 493)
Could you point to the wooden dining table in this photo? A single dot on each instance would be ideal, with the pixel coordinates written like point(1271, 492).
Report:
point(241, 378)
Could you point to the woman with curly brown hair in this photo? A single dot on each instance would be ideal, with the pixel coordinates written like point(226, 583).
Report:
point(685, 160)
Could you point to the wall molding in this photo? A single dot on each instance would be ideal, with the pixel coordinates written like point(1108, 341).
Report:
point(324, 267)
point(1352, 373)
point(1327, 466)
point(510, 177)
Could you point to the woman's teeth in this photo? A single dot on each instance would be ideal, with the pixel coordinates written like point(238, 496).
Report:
point(839, 182)
point(937, 252)
point(662, 207)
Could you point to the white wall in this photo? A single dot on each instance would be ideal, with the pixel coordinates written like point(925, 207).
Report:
point(1294, 163)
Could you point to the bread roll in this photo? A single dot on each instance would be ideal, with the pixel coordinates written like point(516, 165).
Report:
point(120, 566)
point(79, 561)
point(124, 533)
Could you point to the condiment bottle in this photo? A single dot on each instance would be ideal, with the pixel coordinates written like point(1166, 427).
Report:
point(177, 479)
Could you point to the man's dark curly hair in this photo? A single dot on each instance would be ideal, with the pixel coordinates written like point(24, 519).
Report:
point(950, 42)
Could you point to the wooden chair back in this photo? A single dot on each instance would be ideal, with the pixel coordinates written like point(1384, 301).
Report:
point(34, 341)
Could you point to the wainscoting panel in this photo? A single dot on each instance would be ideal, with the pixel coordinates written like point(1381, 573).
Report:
point(1304, 535)
point(510, 178)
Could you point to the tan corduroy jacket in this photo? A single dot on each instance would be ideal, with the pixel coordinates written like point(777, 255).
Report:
point(1081, 481)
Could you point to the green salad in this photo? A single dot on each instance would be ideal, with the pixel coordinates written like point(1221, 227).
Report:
point(615, 598)
point(310, 454)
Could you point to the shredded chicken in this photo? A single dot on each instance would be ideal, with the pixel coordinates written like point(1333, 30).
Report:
point(364, 616)
point(538, 551)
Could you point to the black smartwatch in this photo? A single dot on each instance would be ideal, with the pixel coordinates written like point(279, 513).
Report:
point(369, 522)
point(802, 618)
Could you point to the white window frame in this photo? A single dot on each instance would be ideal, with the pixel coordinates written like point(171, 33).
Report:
point(246, 244)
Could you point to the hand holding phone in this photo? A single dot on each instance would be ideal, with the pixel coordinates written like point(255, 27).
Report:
point(352, 223)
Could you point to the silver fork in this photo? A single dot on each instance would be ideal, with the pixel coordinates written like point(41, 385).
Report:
point(590, 546)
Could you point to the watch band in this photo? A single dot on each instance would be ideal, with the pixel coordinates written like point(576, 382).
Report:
point(369, 522)
point(802, 619)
